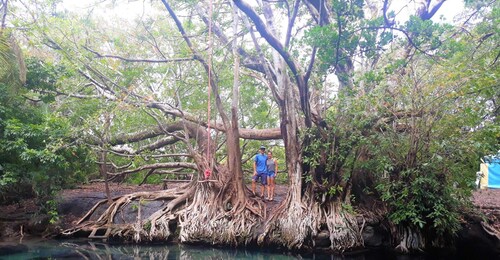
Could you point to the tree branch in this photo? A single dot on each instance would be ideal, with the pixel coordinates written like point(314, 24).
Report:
point(169, 165)
point(98, 55)
point(269, 37)
point(427, 12)
point(3, 12)
point(387, 22)
point(248, 61)
point(291, 22)
point(198, 57)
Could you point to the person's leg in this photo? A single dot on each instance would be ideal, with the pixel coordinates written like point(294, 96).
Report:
point(264, 183)
point(254, 185)
point(268, 188)
point(272, 184)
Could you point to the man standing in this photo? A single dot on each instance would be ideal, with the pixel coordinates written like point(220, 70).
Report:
point(260, 171)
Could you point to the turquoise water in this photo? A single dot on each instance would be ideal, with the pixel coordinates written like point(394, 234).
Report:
point(85, 249)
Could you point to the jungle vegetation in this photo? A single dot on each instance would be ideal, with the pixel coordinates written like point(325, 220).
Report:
point(374, 113)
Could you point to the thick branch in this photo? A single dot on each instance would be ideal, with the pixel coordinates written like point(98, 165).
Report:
point(3, 13)
point(426, 12)
point(143, 135)
point(249, 61)
point(321, 11)
point(98, 55)
point(252, 134)
point(387, 22)
point(255, 134)
point(170, 165)
point(266, 34)
point(291, 22)
point(211, 76)
point(158, 144)
point(269, 37)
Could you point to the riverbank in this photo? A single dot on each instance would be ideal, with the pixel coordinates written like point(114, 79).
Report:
point(20, 219)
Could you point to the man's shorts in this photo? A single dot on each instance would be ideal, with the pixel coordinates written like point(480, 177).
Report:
point(271, 174)
point(262, 176)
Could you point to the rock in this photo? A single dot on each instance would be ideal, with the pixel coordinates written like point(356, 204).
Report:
point(323, 239)
point(129, 213)
point(473, 242)
point(374, 236)
point(38, 224)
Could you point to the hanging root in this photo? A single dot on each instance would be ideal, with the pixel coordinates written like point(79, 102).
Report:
point(345, 232)
point(296, 224)
point(289, 227)
point(409, 239)
point(209, 220)
point(159, 222)
point(154, 227)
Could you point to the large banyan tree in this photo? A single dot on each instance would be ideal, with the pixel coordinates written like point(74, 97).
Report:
point(366, 103)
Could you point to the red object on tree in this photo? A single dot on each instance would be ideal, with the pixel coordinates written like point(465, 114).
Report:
point(207, 174)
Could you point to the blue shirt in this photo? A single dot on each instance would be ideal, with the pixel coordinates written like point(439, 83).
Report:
point(260, 161)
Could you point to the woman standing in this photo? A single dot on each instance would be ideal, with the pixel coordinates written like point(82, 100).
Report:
point(272, 170)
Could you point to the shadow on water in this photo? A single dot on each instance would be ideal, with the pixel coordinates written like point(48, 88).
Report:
point(84, 249)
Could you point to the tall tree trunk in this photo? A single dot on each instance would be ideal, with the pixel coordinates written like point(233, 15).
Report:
point(301, 217)
point(3, 13)
point(229, 207)
point(103, 167)
point(233, 142)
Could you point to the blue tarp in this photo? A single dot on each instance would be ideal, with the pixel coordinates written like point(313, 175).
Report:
point(494, 174)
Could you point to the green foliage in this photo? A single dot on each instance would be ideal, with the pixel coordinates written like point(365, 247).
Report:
point(51, 209)
point(4, 51)
point(414, 125)
point(335, 190)
point(421, 199)
point(348, 208)
point(426, 172)
point(349, 33)
point(331, 155)
point(36, 149)
point(135, 206)
point(12, 71)
point(43, 78)
point(282, 177)
point(418, 136)
point(147, 226)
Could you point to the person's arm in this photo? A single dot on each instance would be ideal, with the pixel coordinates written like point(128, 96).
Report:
point(275, 166)
point(255, 166)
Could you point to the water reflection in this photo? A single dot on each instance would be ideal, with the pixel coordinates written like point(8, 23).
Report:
point(84, 249)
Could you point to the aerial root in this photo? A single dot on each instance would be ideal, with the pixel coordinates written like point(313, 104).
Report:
point(219, 223)
point(410, 239)
point(156, 226)
point(345, 232)
point(295, 226)
point(490, 230)
point(289, 228)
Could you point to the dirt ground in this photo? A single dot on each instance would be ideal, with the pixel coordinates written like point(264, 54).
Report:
point(488, 202)
point(85, 196)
